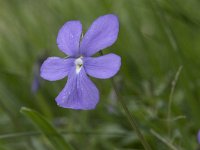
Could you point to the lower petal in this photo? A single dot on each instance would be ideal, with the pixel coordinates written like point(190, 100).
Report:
point(79, 92)
point(102, 67)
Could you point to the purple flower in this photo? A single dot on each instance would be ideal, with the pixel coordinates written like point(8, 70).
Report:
point(80, 92)
point(198, 137)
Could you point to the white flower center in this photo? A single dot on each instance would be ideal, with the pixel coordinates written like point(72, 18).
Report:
point(79, 63)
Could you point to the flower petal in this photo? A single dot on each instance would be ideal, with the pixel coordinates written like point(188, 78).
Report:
point(69, 37)
point(101, 34)
point(55, 68)
point(79, 92)
point(102, 67)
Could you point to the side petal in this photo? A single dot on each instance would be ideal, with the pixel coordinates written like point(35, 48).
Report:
point(78, 93)
point(55, 68)
point(69, 37)
point(101, 34)
point(102, 67)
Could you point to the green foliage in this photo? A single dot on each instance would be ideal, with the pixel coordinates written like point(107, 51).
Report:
point(156, 38)
point(47, 129)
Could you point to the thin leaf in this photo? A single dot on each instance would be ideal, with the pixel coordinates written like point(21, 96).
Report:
point(47, 129)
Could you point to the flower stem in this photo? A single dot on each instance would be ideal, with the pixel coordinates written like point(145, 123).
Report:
point(130, 116)
point(173, 84)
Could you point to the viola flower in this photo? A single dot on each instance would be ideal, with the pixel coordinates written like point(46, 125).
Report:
point(80, 92)
point(36, 82)
point(198, 137)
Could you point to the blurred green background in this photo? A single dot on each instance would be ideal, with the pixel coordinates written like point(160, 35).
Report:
point(159, 42)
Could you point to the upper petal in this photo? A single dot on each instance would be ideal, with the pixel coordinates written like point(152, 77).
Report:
point(55, 68)
point(102, 67)
point(101, 34)
point(79, 92)
point(69, 37)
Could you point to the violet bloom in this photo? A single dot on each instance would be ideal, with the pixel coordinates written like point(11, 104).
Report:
point(80, 92)
point(198, 137)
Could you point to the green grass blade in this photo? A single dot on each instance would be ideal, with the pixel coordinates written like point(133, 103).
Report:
point(47, 129)
point(166, 142)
